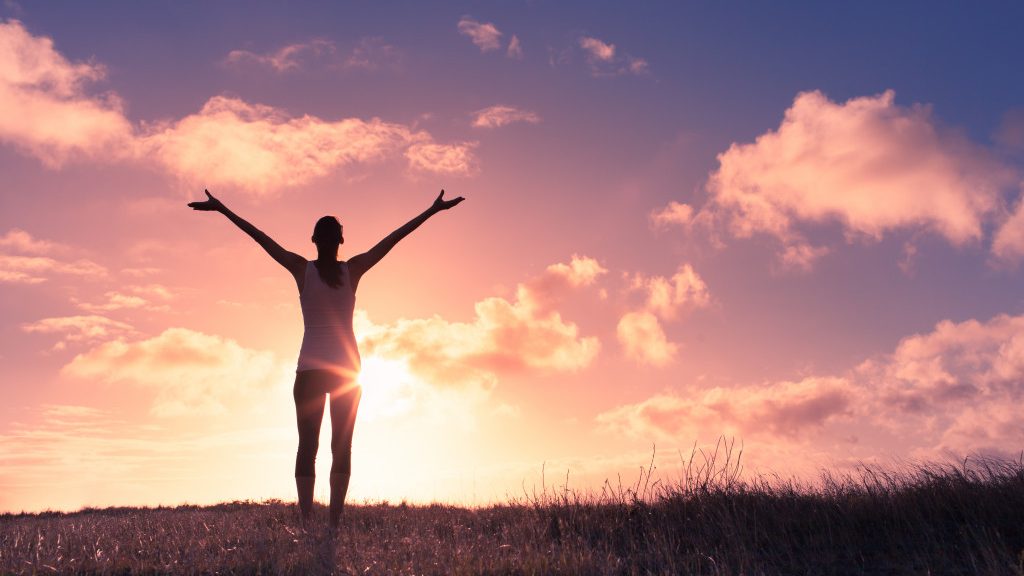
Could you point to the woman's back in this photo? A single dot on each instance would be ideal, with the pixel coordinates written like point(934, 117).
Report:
point(328, 341)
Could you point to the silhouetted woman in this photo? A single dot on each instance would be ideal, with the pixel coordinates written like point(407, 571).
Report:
point(329, 359)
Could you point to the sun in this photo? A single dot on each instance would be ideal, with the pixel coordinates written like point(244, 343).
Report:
point(389, 388)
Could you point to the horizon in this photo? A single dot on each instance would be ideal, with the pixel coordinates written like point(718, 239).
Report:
point(800, 228)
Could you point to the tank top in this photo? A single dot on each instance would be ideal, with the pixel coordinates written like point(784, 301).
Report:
point(328, 341)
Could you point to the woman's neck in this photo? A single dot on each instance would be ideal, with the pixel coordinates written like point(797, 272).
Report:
point(327, 255)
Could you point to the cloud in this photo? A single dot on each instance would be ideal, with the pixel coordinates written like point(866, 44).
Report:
point(666, 297)
point(500, 115)
point(780, 409)
point(372, 53)
point(260, 149)
point(44, 108)
point(505, 336)
point(640, 332)
point(486, 36)
point(604, 59)
point(18, 240)
point(191, 372)
point(869, 165)
point(455, 159)
point(515, 48)
point(673, 214)
point(644, 340)
point(79, 329)
point(369, 53)
point(36, 267)
point(1008, 243)
point(132, 298)
point(950, 391)
point(286, 58)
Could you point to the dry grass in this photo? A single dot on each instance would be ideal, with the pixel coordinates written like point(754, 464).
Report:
point(926, 519)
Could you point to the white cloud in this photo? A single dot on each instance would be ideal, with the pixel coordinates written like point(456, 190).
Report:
point(869, 165)
point(500, 115)
point(485, 35)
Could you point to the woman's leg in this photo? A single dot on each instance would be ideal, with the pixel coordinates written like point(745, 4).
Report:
point(344, 405)
point(309, 412)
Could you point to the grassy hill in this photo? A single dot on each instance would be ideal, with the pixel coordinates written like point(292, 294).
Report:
point(963, 519)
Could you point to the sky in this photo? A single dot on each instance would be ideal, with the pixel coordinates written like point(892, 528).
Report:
point(797, 228)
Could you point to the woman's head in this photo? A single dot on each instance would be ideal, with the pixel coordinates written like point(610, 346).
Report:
point(327, 233)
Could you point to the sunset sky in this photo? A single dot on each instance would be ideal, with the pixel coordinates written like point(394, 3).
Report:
point(798, 228)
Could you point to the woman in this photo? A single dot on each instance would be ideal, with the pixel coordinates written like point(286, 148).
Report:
point(329, 359)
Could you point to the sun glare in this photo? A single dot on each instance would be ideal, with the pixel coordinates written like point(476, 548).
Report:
point(388, 388)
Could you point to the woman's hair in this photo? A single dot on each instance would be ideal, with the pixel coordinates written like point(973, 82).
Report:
point(327, 233)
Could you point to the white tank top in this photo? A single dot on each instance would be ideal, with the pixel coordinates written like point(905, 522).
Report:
point(328, 342)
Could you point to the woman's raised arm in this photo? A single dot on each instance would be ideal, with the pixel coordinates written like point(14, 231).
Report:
point(291, 261)
point(363, 262)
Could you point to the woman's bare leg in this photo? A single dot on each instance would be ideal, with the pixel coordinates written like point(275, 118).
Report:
point(344, 405)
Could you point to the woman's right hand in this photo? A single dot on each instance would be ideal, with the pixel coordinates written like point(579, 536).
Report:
point(211, 204)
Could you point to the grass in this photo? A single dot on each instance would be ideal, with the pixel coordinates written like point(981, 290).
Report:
point(925, 519)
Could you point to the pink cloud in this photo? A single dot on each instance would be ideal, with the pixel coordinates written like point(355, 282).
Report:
point(18, 240)
point(286, 58)
point(780, 409)
point(192, 373)
point(485, 35)
point(673, 214)
point(500, 115)
point(597, 49)
point(79, 329)
point(666, 297)
point(605, 60)
point(429, 156)
point(34, 267)
point(373, 53)
point(643, 339)
point(867, 164)
point(44, 108)
point(261, 149)
point(527, 333)
point(1008, 243)
point(228, 143)
point(515, 48)
point(952, 390)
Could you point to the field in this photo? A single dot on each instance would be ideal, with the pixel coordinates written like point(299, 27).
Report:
point(926, 519)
